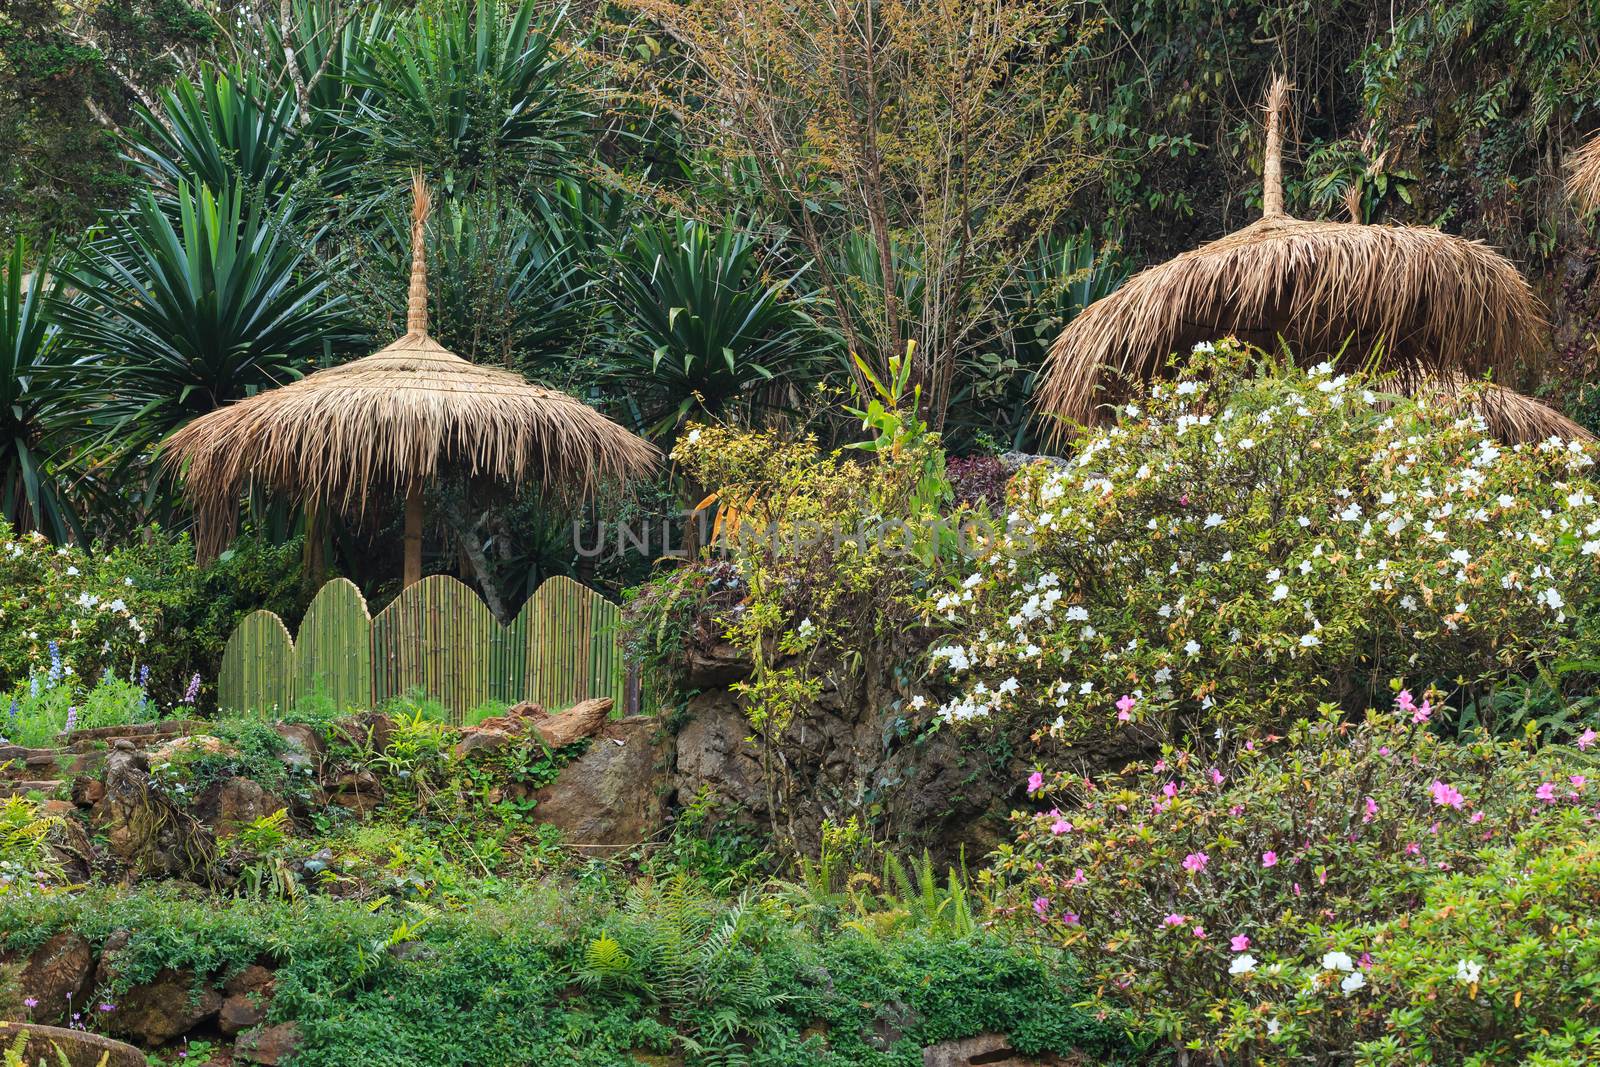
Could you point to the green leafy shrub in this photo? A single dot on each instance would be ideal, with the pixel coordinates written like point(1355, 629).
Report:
point(49, 705)
point(1215, 893)
point(1252, 539)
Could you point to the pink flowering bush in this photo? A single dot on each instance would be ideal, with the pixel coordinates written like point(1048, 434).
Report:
point(1252, 539)
point(1235, 906)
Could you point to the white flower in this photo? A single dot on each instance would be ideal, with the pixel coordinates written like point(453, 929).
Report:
point(1242, 964)
point(1468, 971)
point(1273, 1026)
point(1213, 519)
point(694, 435)
point(1280, 591)
point(918, 701)
point(1309, 640)
point(1192, 647)
point(1338, 961)
point(1461, 556)
point(1551, 599)
point(1353, 981)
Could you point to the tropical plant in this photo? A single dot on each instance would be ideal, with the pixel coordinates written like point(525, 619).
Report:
point(226, 128)
point(704, 326)
point(506, 284)
point(185, 306)
point(471, 94)
point(36, 396)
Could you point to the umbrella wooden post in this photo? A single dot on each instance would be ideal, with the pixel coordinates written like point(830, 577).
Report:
point(413, 543)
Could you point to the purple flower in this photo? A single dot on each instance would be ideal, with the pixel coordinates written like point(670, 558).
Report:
point(30, 1002)
point(1196, 862)
point(193, 691)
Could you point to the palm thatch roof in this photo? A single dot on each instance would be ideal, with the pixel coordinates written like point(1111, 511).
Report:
point(1583, 176)
point(391, 422)
point(1510, 416)
point(1425, 301)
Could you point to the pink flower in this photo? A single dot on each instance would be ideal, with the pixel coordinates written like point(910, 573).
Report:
point(1170, 789)
point(1184, 500)
point(1236, 810)
point(1477, 817)
point(1578, 780)
point(1297, 889)
point(1446, 796)
point(1160, 766)
point(1173, 919)
point(1060, 826)
point(1041, 906)
point(30, 1002)
point(1199, 933)
point(1239, 943)
point(1196, 862)
point(1422, 713)
point(1035, 782)
point(1217, 777)
point(1269, 858)
point(1586, 739)
point(1372, 810)
point(1125, 708)
point(1070, 918)
point(1413, 849)
point(1078, 877)
point(1546, 792)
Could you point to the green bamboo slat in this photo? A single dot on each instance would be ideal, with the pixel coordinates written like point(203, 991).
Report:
point(257, 667)
point(333, 650)
point(508, 660)
point(607, 673)
point(435, 637)
point(559, 642)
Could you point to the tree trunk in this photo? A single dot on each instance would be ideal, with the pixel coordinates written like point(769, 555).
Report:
point(413, 565)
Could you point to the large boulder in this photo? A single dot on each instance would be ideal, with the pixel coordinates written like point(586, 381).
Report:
point(231, 804)
point(56, 975)
point(246, 998)
point(303, 748)
point(145, 830)
point(527, 719)
point(168, 1006)
point(267, 1045)
point(613, 796)
point(68, 1048)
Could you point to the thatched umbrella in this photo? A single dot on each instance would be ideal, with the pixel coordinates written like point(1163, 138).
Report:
point(1583, 176)
point(1427, 302)
point(391, 423)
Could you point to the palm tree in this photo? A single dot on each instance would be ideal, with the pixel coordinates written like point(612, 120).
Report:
point(35, 393)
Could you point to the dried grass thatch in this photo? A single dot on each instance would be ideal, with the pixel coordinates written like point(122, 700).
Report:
point(391, 422)
point(1583, 176)
point(1426, 301)
point(1509, 416)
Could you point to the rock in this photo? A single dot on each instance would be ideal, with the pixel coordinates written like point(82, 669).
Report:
point(270, 1045)
point(245, 1000)
point(168, 1006)
point(69, 842)
point(231, 804)
point(49, 1044)
point(369, 730)
point(359, 790)
point(613, 795)
point(714, 753)
point(990, 1050)
point(87, 791)
point(57, 974)
point(716, 667)
point(580, 721)
point(303, 747)
point(891, 1024)
point(183, 749)
point(145, 830)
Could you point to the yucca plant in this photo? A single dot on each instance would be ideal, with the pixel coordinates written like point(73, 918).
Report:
point(187, 305)
point(224, 129)
point(35, 396)
point(506, 284)
point(1065, 273)
point(471, 92)
point(703, 326)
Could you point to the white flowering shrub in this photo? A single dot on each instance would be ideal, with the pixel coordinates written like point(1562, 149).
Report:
point(1251, 539)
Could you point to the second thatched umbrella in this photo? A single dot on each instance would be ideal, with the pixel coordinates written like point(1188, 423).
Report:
point(390, 423)
point(1583, 176)
point(1433, 305)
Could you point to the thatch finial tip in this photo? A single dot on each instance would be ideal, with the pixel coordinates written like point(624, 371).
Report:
point(417, 301)
point(1272, 163)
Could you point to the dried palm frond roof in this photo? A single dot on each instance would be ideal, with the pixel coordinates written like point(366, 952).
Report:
point(1509, 416)
point(1583, 176)
point(392, 420)
point(1426, 301)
